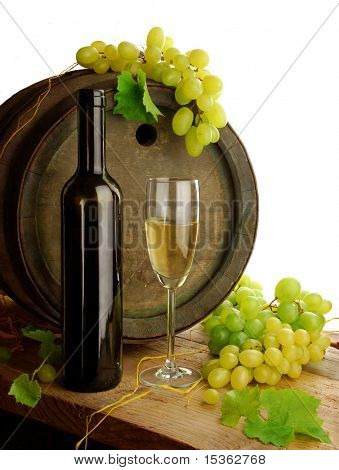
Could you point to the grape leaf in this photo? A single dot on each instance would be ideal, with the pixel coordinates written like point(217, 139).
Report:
point(276, 432)
point(26, 391)
point(133, 99)
point(240, 403)
point(299, 406)
point(288, 412)
point(42, 336)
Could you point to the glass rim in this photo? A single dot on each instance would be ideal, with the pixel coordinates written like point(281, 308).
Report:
point(174, 179)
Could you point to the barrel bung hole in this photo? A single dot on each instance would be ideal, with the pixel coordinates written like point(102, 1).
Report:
point(146, 135)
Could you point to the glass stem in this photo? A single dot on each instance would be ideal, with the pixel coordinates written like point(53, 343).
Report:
point(170, 360)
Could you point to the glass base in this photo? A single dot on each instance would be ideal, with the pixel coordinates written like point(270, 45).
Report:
point(180, 377)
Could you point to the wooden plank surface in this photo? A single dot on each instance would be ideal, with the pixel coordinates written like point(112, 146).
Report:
point(162, 419)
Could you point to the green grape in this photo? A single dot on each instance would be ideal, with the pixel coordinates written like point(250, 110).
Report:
point(155, 37)
point(316, 353)
point(258, 293)
point(261, 373)
point(202, 73)
point(256, 285)
point(274, 376)
point(193, 146)
point(188, 74)
point(192, 88)
point(264, 315)
point(250, 374)
point(152, 54)
point(286, 325)
point(169, 42)
point(314, 335)
point(273, 325)
point(283, 366)
point(313, 301)
point(232, 296)
point(302, 305)
point(245, 281)
point(287, 288)
point(292, 353)
point(128, 51)
point(270, 341)
point(179, 97)
point(243, 293)
point(254, 328)
point(211, 323)
point(285, 337)
point(204, 133)
point(220, 335)
point(311, 321)
point(273, 356)
point(111, 52)
point(251, 358)
point(250, 307)
point(204, 102)
point(219, 377)
point(239, 378)
point(288, 312)
point(237, 338)
point(214, 139)
point(118, 64)
point(181, 62)
point(86, 56)
point(323, 342)
point(234, 322)
point(211, 396)
point(226, 305)
point(301, 337)
point(228, 360)
point(305, 357)
point(199, 58)
point(209, 366)
point(182, 121)
point(214, 347)
point(170, 76)
point(156, 72)
point(170, 53)
point(5, 354)
point(47, 373)
point(133, 67)
point(230, 348)
point(325, 307)
point(99, 45)
point(217, 115)
point(224, 315)
point(101, 66)
point(212, 85)
point(296, 325)
point(252, 344)
point(294, 370)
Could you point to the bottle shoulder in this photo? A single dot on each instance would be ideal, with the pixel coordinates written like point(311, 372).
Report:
point(90, 186)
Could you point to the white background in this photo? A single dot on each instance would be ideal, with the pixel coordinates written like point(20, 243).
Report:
point(292, 137)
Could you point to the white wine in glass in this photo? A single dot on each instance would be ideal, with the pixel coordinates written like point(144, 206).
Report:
point(171, 222)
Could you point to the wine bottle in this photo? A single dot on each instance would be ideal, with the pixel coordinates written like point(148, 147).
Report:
point(91, 259)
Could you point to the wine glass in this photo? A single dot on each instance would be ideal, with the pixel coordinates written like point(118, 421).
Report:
point(171, 222)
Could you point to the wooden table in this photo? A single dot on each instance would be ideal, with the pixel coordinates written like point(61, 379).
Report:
point(162, 420)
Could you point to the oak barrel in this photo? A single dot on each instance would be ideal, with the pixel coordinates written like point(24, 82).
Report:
point(43, 155)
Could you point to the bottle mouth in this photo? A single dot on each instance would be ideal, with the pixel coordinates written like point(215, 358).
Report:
point(91, 97)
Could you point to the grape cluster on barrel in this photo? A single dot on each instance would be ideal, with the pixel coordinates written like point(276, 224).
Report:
point(261, 341)
point(196, 89)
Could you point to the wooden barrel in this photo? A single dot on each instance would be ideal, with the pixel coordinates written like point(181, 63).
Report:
point(43, 155)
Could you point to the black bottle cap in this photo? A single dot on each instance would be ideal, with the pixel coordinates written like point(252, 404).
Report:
point(90, 97)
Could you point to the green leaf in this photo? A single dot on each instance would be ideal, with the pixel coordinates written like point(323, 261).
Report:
point(133, 100)
point(276, 432)
point(299, 406)
point(38, 335)
point(240, 403)
point(25, 391)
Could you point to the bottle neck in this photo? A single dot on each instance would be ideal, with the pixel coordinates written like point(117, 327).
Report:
point(91, 140)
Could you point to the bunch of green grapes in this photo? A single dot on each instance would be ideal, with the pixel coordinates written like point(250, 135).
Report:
point(196, 89)
point(261, 341)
